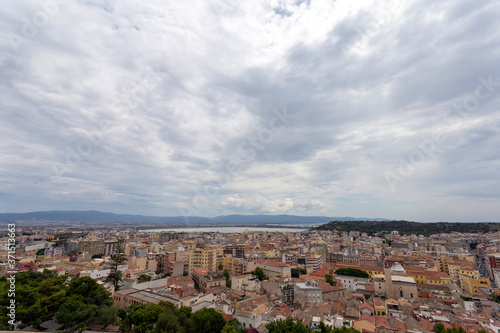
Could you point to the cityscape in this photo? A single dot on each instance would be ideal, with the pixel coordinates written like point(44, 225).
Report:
point(316, 278)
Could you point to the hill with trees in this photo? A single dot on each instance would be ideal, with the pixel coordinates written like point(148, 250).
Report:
point(408, 228)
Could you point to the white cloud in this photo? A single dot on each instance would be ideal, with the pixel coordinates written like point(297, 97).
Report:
point(366, 81)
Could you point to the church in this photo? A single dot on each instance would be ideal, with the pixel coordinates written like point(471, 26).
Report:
point(394, 283)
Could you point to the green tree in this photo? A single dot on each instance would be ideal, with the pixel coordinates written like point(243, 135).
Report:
point(108, 316)
point(329, 279)
point(352, 272)
point(296, 272)
point(208, 320)
point(168, 323)
point(324, 328)
point(233, 326)
point(38, 297)
point(73, 315)
point(144, 278)
point(88, 290)
point(287, 326)
point(220, 267)
point(184, 318)
point(228, 278)
point(439, 328)
point(259, 273)
point(141, 318)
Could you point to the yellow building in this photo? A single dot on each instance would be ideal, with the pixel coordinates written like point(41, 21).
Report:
point(471, 281)
point(202, 258)
point(228, 263)
point(379, 307)
point(441, 263)
point(428, 276)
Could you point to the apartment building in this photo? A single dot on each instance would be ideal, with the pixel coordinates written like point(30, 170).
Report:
point(202, 258)
point(92, 246)
point(274, 268)
point(205, 279)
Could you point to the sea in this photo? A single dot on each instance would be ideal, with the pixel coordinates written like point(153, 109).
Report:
point(227, 230)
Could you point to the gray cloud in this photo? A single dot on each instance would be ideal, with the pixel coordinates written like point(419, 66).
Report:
point(366, 83)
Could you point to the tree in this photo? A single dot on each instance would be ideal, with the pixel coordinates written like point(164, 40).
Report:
point(233, 326)
point(228, 278)
point(108, 316)
point(88, 290)
point(168, 323)
point(141, 318)
point(496, 297)
point(73, 315)
point(287, 326)
point(144, 278)
point(84, 298)
point(38, 297)
point(117, 258)
point(296, 272)
point(324, 328)
point(207, 320)
point(329, 279)
point(352, 272)
point(439, 328)
point(259, 273)
point(220, 267)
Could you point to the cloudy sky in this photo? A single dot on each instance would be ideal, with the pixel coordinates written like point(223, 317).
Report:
point(338, 108)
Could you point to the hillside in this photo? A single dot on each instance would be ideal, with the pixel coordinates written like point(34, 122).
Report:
point(407, 228)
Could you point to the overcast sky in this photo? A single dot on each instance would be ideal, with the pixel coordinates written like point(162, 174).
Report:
point(340, 108)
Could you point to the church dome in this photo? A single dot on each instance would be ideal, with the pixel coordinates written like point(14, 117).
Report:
point(397, 268)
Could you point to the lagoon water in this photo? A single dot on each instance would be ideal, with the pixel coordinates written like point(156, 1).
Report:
point(226, 230)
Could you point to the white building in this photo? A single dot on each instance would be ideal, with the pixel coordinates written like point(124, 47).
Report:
point(247, 282)
point(351, 283)
point(311, 289)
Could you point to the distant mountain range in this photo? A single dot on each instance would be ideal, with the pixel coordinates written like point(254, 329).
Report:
point(104, 217)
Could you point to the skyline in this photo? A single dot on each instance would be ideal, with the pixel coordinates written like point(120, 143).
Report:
point(273, 107)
